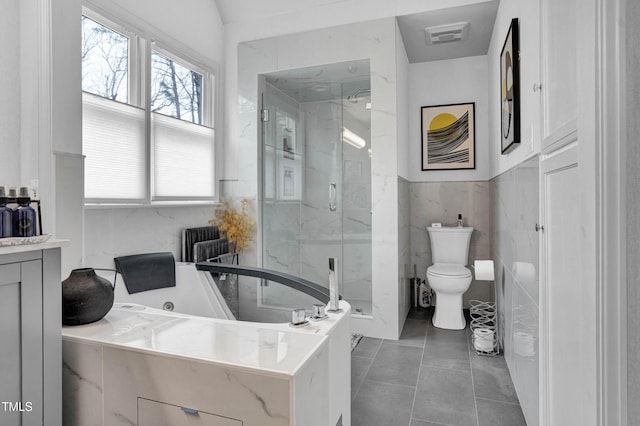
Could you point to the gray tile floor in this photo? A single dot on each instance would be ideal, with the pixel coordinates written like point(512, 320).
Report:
point(430, 377)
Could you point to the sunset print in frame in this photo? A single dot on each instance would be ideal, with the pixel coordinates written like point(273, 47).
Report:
point(448, 137)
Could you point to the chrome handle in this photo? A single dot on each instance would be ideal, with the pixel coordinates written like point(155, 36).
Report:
point(537, 87)
point(333, 195)
point(298, 318)
point(334, 286)
point(539, 228)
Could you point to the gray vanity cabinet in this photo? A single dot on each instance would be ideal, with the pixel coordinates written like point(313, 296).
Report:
point(30, 337)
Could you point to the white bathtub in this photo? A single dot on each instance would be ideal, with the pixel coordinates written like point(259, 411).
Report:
point(195, 293)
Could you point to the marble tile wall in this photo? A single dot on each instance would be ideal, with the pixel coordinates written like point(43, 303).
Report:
point(515, 250)
point(322, 166)
point(441, 202)
point(123, 231)
point(346, 232)
point(281, 227)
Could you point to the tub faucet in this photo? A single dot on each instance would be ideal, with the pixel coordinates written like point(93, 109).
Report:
point(334, 288)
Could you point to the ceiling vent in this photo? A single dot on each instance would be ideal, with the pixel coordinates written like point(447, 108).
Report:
point(447, 33)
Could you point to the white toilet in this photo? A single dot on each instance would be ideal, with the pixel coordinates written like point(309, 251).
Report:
point(448, 276)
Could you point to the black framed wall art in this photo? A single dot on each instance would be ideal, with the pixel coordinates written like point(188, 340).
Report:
point(510, 89)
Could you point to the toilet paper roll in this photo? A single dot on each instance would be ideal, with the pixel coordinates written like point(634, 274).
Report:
point(524, 273)
point(484, 270)
point(483, 339)
point(523, 344)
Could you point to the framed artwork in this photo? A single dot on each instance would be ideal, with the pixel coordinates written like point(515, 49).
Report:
point(510, 89)
point(448, 137)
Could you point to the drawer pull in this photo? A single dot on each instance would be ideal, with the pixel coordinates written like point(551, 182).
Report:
point(189, 410)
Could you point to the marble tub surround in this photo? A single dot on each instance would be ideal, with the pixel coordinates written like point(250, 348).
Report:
point(256, 374)
point(515, 250)
point(441, 202)
point(235, 344)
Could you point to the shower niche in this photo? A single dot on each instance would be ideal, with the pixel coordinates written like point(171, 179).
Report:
point(315, 167)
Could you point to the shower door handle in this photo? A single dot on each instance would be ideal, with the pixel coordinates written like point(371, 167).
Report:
point(333, 197)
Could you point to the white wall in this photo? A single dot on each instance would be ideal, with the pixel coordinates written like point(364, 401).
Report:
point(10, 89)
point(195, 23)
point(529, 14)
point(449, 82)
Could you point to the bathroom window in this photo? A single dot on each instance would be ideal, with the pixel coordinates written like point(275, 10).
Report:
point(105, 61)
point(148, 115)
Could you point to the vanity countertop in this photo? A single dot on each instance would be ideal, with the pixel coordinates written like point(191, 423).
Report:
point(21, 248)
point(242, 345)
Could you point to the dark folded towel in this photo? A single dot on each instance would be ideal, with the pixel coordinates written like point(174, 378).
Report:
point(149, 271)
point(209, 249)
point(191, 236)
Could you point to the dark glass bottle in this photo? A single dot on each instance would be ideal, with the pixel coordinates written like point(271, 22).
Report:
point(24, 216)
point(6, 216)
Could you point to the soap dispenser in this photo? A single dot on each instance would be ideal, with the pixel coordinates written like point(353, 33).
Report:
point(460, 225)
point(24, 217)
point(6, 215)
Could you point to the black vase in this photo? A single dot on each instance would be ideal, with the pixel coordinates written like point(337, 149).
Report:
point(86, 297)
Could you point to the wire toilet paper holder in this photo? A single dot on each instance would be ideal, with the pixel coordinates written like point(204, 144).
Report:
point(484, 328)
point(484, 324)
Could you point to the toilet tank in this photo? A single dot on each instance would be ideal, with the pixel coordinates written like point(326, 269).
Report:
point(450, 244)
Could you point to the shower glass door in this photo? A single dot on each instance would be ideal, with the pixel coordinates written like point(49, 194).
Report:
point(316, 192)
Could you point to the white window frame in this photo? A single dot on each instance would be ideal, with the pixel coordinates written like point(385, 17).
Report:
point(143, 41)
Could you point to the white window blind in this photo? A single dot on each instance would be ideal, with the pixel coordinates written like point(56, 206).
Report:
point(183, 158)
point(133, 87)
point(114, 146)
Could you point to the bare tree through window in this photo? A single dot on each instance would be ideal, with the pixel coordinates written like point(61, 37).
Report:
point(105, 61)
point(176, 91)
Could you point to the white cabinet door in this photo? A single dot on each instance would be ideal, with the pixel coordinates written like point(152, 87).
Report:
point(10, 335)
point(559, 69)
point(21, 359)
point(561, 309)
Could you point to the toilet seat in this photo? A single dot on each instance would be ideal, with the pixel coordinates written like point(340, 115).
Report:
point(448, 270)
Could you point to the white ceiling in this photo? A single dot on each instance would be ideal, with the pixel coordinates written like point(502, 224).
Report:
point(252, 10)
point(480, 17)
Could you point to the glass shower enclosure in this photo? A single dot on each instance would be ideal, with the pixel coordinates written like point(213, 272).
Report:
point(316, 180)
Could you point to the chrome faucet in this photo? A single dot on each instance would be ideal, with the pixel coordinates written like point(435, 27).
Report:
point(334, 288)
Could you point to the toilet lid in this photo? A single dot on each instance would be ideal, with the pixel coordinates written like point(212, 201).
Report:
point(446, 270)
